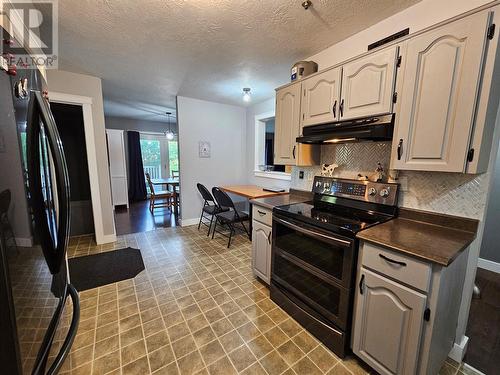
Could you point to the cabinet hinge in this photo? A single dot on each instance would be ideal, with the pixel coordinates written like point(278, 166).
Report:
point(470, 155)
point(427, 314)
point(303, 116)
point(398, 64)
point(395, 97)
point(491, 31)
point(304, 92)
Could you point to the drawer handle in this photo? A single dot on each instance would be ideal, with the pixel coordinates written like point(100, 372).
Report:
point(261, 213)
point(400, 149)
point(403, 264)
point(361, 283)
point(269, 238)
point(334, 109)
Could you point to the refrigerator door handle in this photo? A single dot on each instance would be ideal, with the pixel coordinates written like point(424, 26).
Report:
point(70, 337)
point(51, 212)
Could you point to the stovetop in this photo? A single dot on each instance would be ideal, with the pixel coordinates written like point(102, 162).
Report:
point(334, 217)
point(345, 206)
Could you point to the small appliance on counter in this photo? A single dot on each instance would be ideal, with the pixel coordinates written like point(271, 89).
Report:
point(302, 69)
point(315, 250)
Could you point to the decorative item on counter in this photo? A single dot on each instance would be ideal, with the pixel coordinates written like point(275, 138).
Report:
point(378, 176)
point(327, 170)
point(362, 178)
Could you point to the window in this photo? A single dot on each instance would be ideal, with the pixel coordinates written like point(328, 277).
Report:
point(264, 149)
point(151, 157)
point(173, 156)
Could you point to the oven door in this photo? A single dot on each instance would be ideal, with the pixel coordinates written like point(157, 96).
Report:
point(314, 266)
point(329, 255)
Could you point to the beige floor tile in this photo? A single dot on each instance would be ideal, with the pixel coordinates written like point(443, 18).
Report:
point(106, 346)
point(191, 363)
point(273, 363)
point(133, 352)
point(211, 352)
point(138, 367)
point(178, 331)
point(323, 358)
point(242, 358)
point(183, 346)
point(107, 363)
point(204, 336)
point(222, 366)
point(160, 357)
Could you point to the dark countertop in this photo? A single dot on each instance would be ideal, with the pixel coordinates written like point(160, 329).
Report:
point(425, 235)
point(295, 196)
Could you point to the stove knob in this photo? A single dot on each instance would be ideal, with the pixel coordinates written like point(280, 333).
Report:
point(318, 184)
point(326, 186)
point(372, 191)
point(384, 193)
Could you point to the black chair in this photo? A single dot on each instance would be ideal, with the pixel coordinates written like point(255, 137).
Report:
point(210, 207)
point(228, 218)
point(6, 232)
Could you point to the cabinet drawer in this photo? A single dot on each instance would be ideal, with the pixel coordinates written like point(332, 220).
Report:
point(264, 215)
point(406, 269)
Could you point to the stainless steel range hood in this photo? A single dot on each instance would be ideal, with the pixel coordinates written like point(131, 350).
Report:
point(375, 128)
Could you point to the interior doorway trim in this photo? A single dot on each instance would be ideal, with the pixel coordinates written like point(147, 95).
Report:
point(86, 103)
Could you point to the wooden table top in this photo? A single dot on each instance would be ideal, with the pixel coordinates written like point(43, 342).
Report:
point(251, 191)
point(165, 181)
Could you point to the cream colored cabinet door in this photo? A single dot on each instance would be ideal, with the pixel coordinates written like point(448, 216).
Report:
point(261, 251)
point(287, 124)
point(321, 98)
point(368, 84)
point(388, 324)
point(438, 98)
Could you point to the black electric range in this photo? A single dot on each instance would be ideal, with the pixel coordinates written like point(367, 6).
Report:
point(314, 253)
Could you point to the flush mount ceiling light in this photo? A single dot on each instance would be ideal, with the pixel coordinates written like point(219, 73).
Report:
point(306, 4)
point(246, 94)
point(169, 133)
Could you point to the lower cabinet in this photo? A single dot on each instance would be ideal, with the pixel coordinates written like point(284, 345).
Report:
point(389, 319)
point(261, 250)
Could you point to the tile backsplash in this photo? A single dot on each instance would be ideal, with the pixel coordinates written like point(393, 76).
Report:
point(451, 193)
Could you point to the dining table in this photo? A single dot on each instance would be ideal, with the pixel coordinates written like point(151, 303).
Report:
point(174, 182)
point(251, 192)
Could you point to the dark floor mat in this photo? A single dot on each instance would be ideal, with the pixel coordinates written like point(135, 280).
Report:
point(96, 270)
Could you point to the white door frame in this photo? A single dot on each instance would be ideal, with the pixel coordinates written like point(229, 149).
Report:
point(86, 103)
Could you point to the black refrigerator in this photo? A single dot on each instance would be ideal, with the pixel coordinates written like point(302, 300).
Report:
point(39, 308)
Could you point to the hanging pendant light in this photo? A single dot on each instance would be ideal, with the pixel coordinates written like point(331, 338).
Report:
point(246, 94)
point(169, 134)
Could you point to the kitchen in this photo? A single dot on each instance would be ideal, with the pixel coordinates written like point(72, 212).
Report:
point(366, 226)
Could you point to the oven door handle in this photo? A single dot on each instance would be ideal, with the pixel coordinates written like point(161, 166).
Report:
point(312, 233)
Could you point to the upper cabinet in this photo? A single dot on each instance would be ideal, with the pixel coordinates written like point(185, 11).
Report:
point(368, 84)
point(321, 98)
point(287, 124)
point(441, 81)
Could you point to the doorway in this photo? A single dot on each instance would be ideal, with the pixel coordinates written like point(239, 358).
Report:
point(70, 124)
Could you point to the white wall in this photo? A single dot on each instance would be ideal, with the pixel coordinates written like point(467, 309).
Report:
point(84, 85)
point(224, 126)
point(417, 17)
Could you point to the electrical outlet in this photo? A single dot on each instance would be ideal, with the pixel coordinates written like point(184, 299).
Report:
point(301, 175)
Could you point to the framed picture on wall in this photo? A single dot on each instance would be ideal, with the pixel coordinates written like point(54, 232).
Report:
point(204, 149)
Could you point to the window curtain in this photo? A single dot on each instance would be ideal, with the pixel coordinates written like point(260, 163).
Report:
point(137, 184)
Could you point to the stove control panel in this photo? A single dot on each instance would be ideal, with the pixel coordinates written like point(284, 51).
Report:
point(375, 192)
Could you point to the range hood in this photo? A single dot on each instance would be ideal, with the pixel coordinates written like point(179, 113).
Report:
point(374, 128)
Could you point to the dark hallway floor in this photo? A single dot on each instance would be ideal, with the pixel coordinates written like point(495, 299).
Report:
point(138, 218)
point(483, 329)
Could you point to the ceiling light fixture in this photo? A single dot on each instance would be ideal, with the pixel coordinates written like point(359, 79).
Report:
point(169, 134)
point(306, 4)
point(246, 94)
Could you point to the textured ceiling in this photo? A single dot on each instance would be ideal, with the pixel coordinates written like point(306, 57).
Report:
point(147, 52)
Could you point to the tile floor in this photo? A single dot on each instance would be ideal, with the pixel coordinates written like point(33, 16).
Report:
point(195, 309)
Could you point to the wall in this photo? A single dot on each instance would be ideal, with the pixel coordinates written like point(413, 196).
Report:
point(84, 85)
point(11, 167)
point(224, 127)
point(417, 17)
point(264, 107)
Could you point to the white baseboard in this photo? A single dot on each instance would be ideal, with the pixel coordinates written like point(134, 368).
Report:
point(472, 370)
point(488, 265)
point(107, 238)
point(457, 353)
point(188, 222)
point(24, 242)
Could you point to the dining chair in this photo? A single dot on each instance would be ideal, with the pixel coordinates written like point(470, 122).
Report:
point(230, 217)
point(159, 199)
point(210, 207)
point(175, 174)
